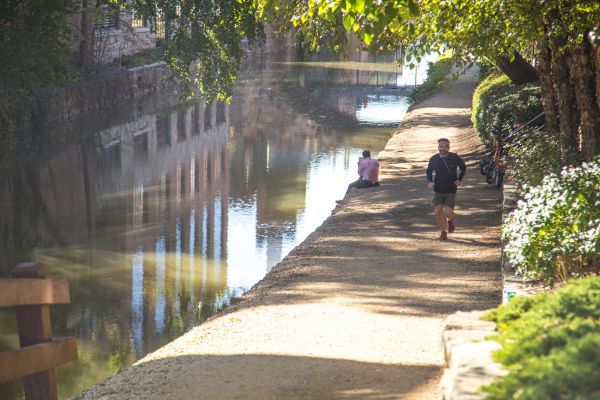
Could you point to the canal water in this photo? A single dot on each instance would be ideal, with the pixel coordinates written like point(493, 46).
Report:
point(159, 220)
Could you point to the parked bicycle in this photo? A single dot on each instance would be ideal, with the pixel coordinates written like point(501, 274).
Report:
point(493, 164)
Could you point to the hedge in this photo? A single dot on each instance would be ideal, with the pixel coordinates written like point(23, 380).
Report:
point(498, 105)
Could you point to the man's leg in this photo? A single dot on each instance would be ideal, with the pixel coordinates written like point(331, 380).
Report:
point(359, 184)
point(353, 184)
point(440, 218)
point(450, 212)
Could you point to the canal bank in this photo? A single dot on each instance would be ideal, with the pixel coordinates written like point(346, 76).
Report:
point(357, 310)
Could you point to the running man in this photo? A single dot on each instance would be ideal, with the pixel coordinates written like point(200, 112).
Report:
point(444, 185)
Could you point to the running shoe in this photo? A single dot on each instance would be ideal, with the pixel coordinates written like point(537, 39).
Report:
point(443, 235)
point(451, 226)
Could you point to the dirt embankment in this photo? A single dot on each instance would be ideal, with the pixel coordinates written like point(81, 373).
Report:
point(357, 310)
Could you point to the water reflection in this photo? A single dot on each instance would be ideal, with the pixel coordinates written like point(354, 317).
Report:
point(159, 221)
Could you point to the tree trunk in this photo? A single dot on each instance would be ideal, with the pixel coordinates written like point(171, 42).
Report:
point(549, 100)
point(518, 70)
point(597, 68)
point(582, 77)
point(87, 30)
point(569, 116)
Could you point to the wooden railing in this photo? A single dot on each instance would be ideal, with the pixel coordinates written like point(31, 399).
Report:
point(31, 294)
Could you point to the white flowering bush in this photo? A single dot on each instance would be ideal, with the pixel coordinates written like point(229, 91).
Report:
point(555, 230)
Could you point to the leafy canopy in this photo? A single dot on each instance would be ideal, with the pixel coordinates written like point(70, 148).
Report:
point(472, 28)
point(204, 48)
point(207, 37)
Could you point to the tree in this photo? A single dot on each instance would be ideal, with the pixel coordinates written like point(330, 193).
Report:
point(39, 39)
point(559, 35)
point(35, 43)
point(205, 37)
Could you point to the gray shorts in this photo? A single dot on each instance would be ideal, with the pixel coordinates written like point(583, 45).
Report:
point(444, 199)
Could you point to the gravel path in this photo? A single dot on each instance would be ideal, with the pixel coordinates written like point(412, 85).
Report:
point(357, 310)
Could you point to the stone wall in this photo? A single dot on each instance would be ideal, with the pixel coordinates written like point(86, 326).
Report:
point(110, 88)
point(106, 97)
point(117, 43)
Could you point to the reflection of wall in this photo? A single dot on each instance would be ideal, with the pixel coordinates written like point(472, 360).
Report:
point(152, 199)
point(178, 165)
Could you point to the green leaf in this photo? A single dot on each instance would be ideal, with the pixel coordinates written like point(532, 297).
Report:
point(368, 38)
point(360, 6)
point(413, 8)
point(348, 21)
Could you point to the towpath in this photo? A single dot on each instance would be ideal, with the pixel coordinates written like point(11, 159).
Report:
point(357, 310)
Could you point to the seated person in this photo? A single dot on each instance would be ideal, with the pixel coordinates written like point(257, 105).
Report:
point(368, 172)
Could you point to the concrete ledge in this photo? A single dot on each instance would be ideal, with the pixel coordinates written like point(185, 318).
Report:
point(468, 354)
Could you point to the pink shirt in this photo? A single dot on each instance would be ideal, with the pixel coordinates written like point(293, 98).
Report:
point(369, 169)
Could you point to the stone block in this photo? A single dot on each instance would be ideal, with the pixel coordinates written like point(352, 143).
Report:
point(453, 338)
point(473, 354)
point(468, 321)
point(471, 367)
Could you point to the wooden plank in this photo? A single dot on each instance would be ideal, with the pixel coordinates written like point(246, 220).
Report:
point(33, 322)
point(34, 326)
point(22, 292)
point(36, 358)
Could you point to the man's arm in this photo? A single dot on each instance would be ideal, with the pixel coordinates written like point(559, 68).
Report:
point(462, 167)
point(429, 173)
point(361, 167)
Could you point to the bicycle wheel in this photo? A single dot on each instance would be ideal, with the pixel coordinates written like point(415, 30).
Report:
point(483, 165)
point(499, 179)
point(490, 178)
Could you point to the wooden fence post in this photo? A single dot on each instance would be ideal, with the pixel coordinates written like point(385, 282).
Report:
point(34, 327)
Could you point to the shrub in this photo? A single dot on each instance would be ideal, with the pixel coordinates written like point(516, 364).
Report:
point(435, 77)
point(555, 229)
point(551, 348)
point(498, 105)
point(532, 157)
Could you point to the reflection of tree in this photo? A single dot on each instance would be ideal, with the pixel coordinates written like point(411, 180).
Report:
point(41, 208)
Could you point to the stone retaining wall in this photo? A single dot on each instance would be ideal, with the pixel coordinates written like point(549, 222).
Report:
point(108, 88)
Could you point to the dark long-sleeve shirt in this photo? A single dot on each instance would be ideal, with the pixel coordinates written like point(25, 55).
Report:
point(446, 172)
